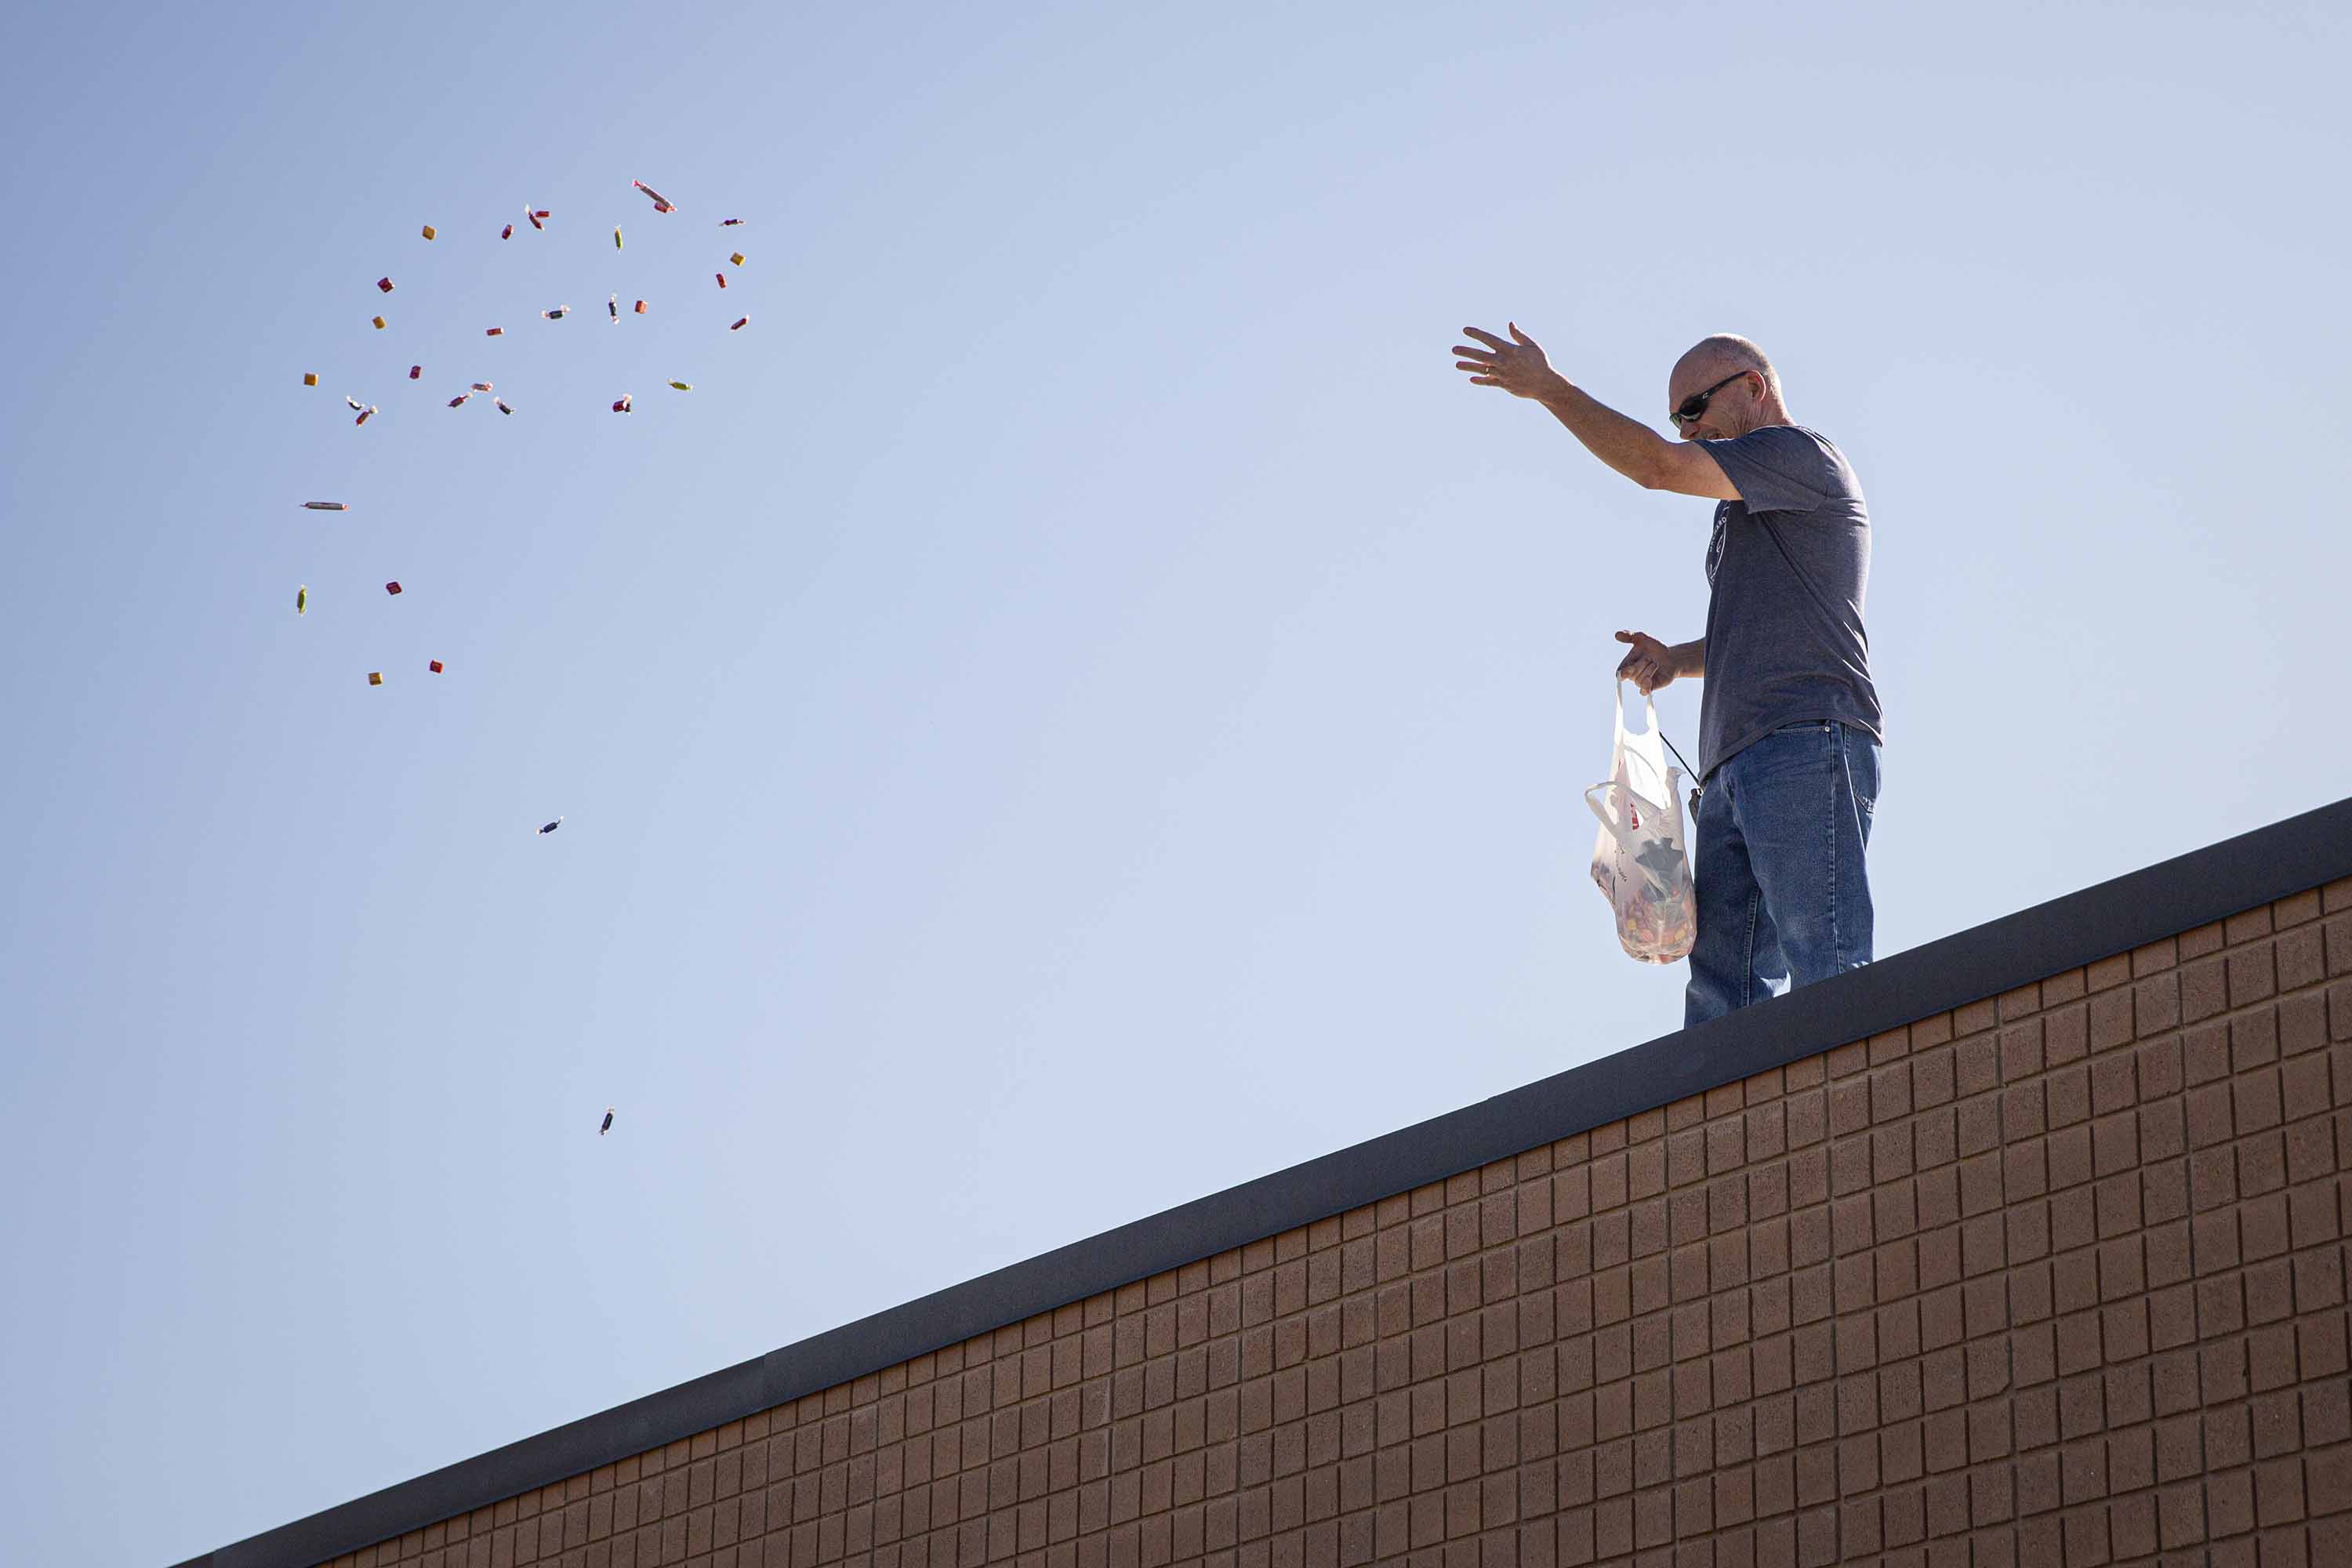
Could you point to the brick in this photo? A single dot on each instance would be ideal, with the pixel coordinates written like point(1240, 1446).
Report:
point(2105, 974)
point(2230, 1503)
point(2326, 1480)
point(2203, 989)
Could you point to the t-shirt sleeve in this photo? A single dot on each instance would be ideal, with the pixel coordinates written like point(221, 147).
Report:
point(1777, 468)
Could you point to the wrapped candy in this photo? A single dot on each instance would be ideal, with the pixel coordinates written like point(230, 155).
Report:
point(613, 308)
point(558, 313)
point(414, 371)
point(641, 306)
point(506, 233)
point(458, 400)
point(661, 203)
point(607, 1127)
point(379, 323)
point(301, 599)
point(550, 827)
point(385, 284)
point(428, 231)
point(434, 665)
point(326, 506)
point(683, 386)
point(534, 217)
point(392, 587)
point(481, 386)
point(623, 405)
point(352, 403)
point(740, 322)
point(375, 677)
point(722, 279)
point(737, 258)
point(496, 333)
point(616, 237)
point(365, 415)
point(729, 222)
point(310, 378)
point(502, 405)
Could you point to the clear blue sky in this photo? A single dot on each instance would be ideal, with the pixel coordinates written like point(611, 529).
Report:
point(1081, 705)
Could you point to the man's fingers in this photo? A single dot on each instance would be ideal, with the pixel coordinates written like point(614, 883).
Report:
point(1520, 335)
point(1463, 351)
point(1489, 339)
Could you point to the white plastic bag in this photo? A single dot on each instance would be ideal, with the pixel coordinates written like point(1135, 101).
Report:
point(1638, 862)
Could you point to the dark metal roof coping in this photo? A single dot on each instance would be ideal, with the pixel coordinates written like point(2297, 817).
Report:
point(2194, 889)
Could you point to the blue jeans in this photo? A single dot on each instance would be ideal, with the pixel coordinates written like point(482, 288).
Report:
point(1783, 898)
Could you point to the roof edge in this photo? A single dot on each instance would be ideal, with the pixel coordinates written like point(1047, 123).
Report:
point(2173, 896)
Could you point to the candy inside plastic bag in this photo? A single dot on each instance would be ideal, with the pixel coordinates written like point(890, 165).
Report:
point(1638, 860)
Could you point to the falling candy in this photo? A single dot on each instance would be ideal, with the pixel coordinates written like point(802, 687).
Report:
point(414, 371)
point(385, 284)
point(434, 665)
point(392, 587)
point(353, 403)
point(729, 222)
point(302, 599)
point(608, 1122)
point(428, 231)
point(551, 826)
point(495, 332)
point(481, 386)
point(616, 237)
point(459, 398)
point(661, 203)
point(683, 386)
point(739, 322)
point(722, 279)
point(623, 405)
point(502, 405)
point(558, 313)
point(365, 415)
point(534, 217)
point(613, 308)
point(379, 323)
point(310, 378)
point(737, 258)
point(375, 677)
point(506, 233)
point(641, 306)
point(326, 506)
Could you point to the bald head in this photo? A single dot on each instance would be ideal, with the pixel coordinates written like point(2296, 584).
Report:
point(1744, 405)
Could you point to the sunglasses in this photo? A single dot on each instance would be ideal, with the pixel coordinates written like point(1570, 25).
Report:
point(1691, 407)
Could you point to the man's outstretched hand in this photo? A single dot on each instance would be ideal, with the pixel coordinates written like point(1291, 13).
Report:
point(1651, 664)
point(1518, 368)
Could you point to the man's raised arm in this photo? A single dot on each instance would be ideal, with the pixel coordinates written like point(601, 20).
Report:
point(1626, 445)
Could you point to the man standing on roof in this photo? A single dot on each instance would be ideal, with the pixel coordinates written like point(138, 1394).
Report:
point(1789, 729)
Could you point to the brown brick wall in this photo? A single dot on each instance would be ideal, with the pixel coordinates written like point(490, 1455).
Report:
point(2059, 1276)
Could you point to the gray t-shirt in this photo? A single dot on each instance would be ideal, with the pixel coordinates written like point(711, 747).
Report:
point(1787, 566)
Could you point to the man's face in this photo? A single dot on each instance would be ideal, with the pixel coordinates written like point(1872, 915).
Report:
point(1728, 405)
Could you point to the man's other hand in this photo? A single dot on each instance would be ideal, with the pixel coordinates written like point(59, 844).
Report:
point(1518, 368)
point(1651, 664)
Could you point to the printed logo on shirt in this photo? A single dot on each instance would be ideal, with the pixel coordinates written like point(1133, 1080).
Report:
point(1715, 545)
